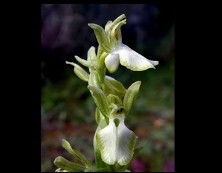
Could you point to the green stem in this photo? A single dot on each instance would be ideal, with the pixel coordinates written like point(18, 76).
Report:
point(101, 54)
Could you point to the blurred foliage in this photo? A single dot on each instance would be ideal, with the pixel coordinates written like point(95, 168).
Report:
point(67, 109)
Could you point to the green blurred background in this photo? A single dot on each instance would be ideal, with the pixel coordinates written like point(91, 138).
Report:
point(67, 109)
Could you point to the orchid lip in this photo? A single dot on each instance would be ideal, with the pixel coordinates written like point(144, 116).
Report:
point(116, 142)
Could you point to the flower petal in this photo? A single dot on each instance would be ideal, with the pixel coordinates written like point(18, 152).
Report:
point(116, 143)
point(106, 139)
point(154, 62)
point(133, 60)
point(125, 144)
point(112, 62)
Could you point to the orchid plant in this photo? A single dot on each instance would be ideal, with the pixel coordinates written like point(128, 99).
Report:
point(114, 144)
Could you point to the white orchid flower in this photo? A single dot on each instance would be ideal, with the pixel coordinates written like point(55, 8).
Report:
point(116, 142)
point(120, 53)
point(129, 58)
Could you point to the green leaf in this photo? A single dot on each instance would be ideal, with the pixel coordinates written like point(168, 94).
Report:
point(79, 156)
point(121, 168)
point(100, 36)
point(60, 170)
point(113, 86)
point(100, 100)
point(79, 71)
point(136, 151)
point(131, 95)
point(65, 164)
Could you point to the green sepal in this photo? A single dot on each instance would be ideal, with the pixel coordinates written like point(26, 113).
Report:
point(82, 61)
point(93, 169)
point(101, 54)
point(91, 61)
point(113, 86)
point(79, 156)
point(130, 96)
point(117, 20)
point(107, 26)
point(110, 25)
point(100, 36)
point(91, 58)
point(67, 165)
point(114, 99)
point(100, 100)
point(79, 71)
point(102, 59)
point(116, 35)
point(91, 54)
point(94, 79)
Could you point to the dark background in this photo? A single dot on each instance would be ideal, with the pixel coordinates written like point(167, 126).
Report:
point(67, 109)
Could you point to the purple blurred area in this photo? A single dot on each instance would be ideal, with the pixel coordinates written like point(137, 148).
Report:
point(137, 166)
point(169, 166)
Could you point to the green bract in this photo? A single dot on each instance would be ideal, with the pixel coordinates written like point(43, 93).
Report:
point(79, 71)
point(130, 95)
point(114, 144)
point(68, 166)
point(100, 36)
point(100, 100)
point(113, 86)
